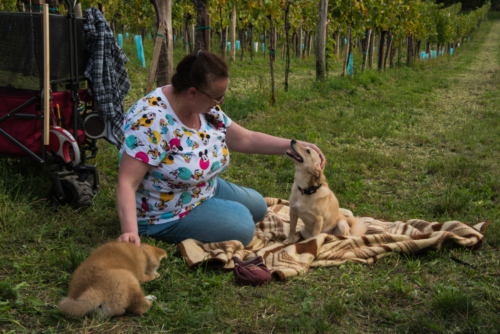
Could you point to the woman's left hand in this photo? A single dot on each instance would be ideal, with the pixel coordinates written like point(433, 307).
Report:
point(316, 148)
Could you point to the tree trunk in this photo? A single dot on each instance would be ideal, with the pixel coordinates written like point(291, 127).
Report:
point(233, 34)
point(321, 40)
point(201, 16)
point(428, 47)
point(271, 59)
point(265, 42)
point(380, 56)
point(287, 39)
point(186, 36)
point(370, 51)
point(165, 69)
point(309, 43)
point(250, 37)
point(242, 41)
point(336, 48)
point(388, 49)
point(393, 53)
point(366, 47)
point(300, 41)
point(191, 39)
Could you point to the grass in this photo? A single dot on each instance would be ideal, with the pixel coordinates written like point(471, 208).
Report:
point(417, 142)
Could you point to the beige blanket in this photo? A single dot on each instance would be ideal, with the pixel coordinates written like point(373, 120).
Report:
point(287, 260)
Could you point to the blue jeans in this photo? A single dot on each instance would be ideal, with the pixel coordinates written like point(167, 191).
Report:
point(230, 214)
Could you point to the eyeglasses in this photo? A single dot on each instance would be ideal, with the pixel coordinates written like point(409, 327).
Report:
point(216, 102)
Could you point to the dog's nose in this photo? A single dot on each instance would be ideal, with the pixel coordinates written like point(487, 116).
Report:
point(293, 141)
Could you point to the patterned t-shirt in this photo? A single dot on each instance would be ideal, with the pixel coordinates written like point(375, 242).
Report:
point(184, 162)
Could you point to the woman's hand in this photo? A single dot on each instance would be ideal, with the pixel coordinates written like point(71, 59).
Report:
point(316, 148)
point(130, 237)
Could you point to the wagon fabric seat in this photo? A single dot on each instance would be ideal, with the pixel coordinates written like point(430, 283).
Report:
point(29, 131)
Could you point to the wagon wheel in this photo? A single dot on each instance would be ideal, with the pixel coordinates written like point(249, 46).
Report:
point(77, 194)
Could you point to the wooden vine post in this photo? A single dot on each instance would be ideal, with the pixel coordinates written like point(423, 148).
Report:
point(165, 69)
point(160, 36)
point(271, 59)
point(233, 34)
point(367, 48)
point(287, 39)
point(321, 40)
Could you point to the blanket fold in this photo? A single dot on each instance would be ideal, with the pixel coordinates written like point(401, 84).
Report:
point(287, 260)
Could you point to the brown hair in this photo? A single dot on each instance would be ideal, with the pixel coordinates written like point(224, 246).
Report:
point(197, 70)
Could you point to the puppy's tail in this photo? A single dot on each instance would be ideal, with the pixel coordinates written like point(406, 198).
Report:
point(357, 227)
point(90, 301)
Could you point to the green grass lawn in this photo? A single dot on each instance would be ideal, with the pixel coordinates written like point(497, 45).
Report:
point(419, 142)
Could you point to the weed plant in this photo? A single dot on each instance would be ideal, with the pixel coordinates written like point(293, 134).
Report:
point(410, 142)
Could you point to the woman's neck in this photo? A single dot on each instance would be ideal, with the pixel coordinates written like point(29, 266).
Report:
point(180, 106)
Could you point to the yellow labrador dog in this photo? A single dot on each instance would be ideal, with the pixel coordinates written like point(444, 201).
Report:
point(313, 201)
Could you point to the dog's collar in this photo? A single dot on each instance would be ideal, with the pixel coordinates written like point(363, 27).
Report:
point(310, 190)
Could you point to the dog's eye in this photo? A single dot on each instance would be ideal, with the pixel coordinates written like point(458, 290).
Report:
point(308, 152)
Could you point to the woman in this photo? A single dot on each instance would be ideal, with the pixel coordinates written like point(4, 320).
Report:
point(175, 144)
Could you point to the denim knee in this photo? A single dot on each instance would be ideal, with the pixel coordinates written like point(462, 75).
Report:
point(246, 232)
point(259, 207)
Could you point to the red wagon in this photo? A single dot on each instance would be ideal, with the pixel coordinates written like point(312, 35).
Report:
point(74, 125)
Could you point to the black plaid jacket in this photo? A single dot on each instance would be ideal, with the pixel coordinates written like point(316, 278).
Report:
point(106, 69)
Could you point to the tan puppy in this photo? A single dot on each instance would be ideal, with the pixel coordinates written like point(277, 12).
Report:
point(312, 200)
point(108, 281)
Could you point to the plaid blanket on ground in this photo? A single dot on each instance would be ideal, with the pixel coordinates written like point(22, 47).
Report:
point(288, 260)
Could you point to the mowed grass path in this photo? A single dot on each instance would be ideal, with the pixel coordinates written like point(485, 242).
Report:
point(420, 142)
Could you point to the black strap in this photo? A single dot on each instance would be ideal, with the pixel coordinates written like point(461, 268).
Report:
point(309, 191)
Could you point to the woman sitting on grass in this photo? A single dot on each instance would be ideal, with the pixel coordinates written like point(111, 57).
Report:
point(175, 144)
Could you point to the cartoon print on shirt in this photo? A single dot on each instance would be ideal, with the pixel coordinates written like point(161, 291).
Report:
point(178, 134)
point(171, 120)
point(201, 184)
point(196, 192)
point(210, 184)
point(175, 145)
point(182, 173)
point(184, 199)
point(153, 152)
point(187, 157)
point(173, 152)
point(192, 143)
point(142, 190)
point(160, 176)
point(180, 185)
point(153, 136)
point(197, 174)
point(204, 162)
point(214, 167)
point(168, 160)
point(164, 198)
point(145, 121)
point(186, 131)
point(155, 102)
point(156, 184)
point(225, 151)
point(172, 214)
point(164, 126)
point(205, 137)
point(133, 142)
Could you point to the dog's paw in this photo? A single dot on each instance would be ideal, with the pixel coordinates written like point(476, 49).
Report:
point(156, 275)
point(151, 298)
